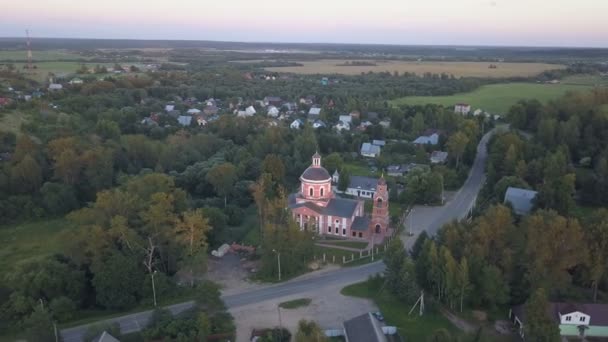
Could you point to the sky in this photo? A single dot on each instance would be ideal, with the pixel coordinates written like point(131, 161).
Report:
point(409, 22)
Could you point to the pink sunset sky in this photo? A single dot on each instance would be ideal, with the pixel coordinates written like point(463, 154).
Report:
point(429, 22)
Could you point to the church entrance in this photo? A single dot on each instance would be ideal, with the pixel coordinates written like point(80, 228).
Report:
point(378, 228)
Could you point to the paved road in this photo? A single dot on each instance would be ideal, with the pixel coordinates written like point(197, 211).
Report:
point(424, 218)
point(430, 219)
point(342, 277)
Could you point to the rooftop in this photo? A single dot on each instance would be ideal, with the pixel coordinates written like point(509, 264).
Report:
point(338, 207)
point(363, 183)
point(363, 329)
point(598, 312)
point(522, 200)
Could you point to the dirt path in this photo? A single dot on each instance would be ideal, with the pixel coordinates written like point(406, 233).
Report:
point(459, 322)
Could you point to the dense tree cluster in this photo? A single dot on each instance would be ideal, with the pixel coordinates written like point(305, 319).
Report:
point(503, 260)
point(566, 155)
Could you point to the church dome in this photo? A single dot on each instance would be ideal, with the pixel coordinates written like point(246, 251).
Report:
point(316, 174)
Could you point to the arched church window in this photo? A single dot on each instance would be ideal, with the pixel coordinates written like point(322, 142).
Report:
point(322, 191)
point(310, 191)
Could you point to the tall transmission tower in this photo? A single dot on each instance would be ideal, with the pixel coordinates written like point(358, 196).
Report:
point(29, 50)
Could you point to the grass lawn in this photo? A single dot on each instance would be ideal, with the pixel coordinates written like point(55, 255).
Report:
point(32, 240)
point(360, 168)
point(60, 69)
point(296, 303)
point(410, 327)
point(591, 80)
point(497, 98)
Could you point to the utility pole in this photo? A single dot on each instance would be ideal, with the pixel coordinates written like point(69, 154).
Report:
point(29, 51)
point(278, 261)
point(409, 228)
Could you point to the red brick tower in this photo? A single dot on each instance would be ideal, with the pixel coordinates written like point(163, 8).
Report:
point(380, 218)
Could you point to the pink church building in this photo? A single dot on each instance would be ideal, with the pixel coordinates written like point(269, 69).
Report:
point(315, 207)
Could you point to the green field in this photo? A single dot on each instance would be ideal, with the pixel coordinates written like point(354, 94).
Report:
point(42, 55)
point(296, 303)
point(497, 98)
point(32, 240)
point(58, 68)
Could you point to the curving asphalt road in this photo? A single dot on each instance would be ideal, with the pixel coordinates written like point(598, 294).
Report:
point(429, 219)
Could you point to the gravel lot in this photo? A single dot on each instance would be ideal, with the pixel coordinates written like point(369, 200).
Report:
point(328, 308)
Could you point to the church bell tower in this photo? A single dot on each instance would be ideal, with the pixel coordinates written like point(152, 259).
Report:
point(380, 217)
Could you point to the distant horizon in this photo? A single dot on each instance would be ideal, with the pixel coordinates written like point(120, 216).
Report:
point(33, 38)
point(509, 23)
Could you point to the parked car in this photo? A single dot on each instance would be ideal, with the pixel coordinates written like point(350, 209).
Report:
point(378, 316)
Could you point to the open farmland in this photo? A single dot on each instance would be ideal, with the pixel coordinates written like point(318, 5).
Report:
point(458, 69)
point(42, 55)
point(497, 98)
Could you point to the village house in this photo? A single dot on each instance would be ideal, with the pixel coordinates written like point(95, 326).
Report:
point(193, 111)
point(316, 208)
point(386, 123)
point(380, 143)
point(462, 108)
point(55, 86)
point(370, 150)
point(363, 125)
point(290, 106)
point(432, 139)
point(308, 100)
point(169, 107)
point(342, 126)
point(76, 81)
point(273, 111)
point(201, 121)
point(250, 111)
point(210, 110)
point(522, 200)
point(360, 186)
point(296, 124)
point(574, 319)
point(438, 157)
point(314, 113)
point(355, 114)
point(346, 119)
point(184, 120)
point(273, 101)
point(318, 124)
point(401, 170)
